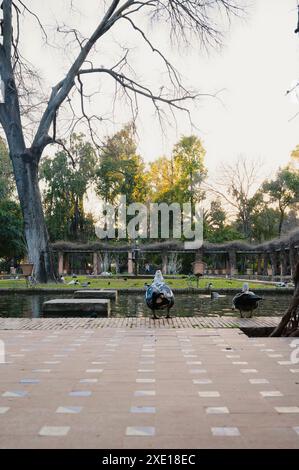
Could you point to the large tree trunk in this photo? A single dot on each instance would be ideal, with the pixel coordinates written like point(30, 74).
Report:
point(289, 324)
point(36, 234)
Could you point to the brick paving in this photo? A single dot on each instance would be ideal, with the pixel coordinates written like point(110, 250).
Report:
point(150, 386)
point(134, 322)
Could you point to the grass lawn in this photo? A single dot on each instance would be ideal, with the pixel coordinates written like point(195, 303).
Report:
point(114, 283)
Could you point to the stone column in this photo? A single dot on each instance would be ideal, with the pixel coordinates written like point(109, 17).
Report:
point(283, 262)
point(293, 260)
point(259, 264)
point(116, 259)
point(105, 261)
point(95, 263)
point(130, 263)
point(265, 264)
point(232, 263)
point(67, 263)
point(164, 263)
point(273, 258)
point(60, 262)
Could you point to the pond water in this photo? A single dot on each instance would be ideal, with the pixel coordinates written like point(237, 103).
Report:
point(30, 306)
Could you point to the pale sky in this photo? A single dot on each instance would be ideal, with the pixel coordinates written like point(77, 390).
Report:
point(258, 63)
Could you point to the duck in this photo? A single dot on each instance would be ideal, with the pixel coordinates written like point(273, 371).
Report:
point(85, 284)
point(74, 283)
point(246, 301)
point(215, 295)
point(159, 296)
point(280, 284)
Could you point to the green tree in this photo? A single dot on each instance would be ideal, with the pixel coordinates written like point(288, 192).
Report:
point(179, 178)
point(283, 191)
point(216, 227)
point(121, 170)
point(67, 178)
point(11, 222)
point(189, 168)
point(11, 230)
point(6, 172)
point(162, 180)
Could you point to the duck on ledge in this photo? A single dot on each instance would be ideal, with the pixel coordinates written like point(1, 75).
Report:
point(246, 301)
point(159, 296)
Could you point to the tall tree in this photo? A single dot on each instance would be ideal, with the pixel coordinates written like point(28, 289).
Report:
point(179, 178)
point(198, 17)
point(217, 228)
point(6, 172)
point(67, 178)
point(121, 170)
point(162, 179)
point(11, 230)
point(283, 191)
point(11, 223)
point(189, 167)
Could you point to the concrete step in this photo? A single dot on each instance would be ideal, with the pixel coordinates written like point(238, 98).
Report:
point(96, 294)
point(77, 306)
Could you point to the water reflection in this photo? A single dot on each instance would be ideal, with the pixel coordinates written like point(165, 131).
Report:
point(30, 306)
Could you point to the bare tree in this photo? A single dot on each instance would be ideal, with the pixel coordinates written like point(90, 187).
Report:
point(237, 185)
point(184, 18)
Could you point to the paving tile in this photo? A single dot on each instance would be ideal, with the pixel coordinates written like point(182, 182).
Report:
point(145, 381)
point(29, 381)
point(69, 409)
point(144, 393)
point(273, 393)
point(80, 393)
point(217, 410)
point(54, 431)
point(258, 381)
point(225, 431)
point(15, 394)
point(202, 381)
point(287, 409)
point(143, 409)
point(144, 431)
point(209, 394)
point(88, 381)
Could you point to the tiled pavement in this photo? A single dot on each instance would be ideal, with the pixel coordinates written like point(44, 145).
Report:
point(135, 322)
point(148, 388)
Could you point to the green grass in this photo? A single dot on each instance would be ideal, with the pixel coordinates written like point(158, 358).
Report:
point(114, 283)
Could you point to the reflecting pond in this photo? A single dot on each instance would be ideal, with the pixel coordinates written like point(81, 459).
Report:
point(30, 306)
